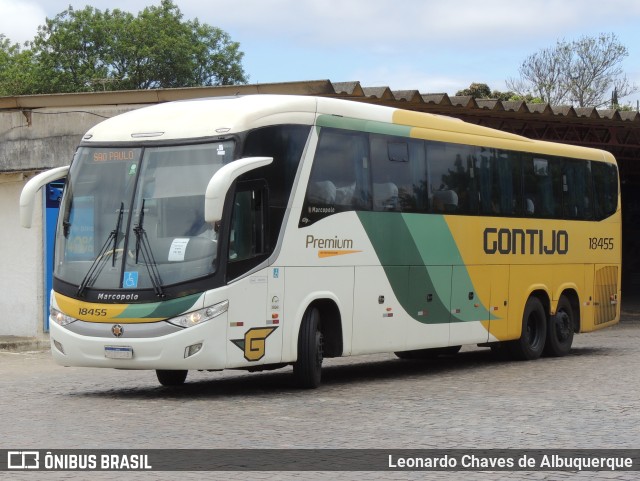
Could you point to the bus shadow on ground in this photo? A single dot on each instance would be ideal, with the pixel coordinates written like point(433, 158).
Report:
point(277, 382)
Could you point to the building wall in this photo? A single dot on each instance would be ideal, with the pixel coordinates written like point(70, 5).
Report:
point(43, 139)
point(21, 258)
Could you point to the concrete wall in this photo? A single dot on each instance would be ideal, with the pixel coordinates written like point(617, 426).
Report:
point(39, 140)
point(21, 257)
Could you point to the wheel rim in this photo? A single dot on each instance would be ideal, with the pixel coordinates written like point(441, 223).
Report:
point(563, 326)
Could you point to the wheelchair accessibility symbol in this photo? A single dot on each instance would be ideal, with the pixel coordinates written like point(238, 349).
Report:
point(130, 280)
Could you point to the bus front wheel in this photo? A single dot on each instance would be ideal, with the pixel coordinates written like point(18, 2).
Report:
point(307, 370)
point(560, 330)
point(171, 378)
point(534, 332)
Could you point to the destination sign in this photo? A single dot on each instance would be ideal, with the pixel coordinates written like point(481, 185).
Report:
point(114, 155)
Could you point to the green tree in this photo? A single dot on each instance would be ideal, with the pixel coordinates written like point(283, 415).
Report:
point(88, 49)
point(582, 72)
point(16, 68)
point(476, 90)
point(482, 91)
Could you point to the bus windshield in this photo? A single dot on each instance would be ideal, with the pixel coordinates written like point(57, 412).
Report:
point(133, 218)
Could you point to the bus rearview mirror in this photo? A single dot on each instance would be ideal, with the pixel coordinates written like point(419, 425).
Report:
point(221, 182)
point(29, 191)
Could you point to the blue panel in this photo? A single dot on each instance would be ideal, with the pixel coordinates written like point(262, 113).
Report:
point(52, 196)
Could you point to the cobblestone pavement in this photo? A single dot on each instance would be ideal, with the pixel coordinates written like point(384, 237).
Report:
point(588, 399)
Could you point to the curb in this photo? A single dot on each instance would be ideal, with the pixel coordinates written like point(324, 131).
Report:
point(23, 344)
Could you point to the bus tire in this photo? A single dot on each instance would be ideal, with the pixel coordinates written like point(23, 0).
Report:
point(307, 370)
point(534, 332)
point(560, 330)
point(171, 377)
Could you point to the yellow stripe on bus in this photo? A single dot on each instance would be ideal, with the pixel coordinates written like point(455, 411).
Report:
point(96, 312)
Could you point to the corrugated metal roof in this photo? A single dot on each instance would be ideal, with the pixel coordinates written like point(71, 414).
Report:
point(353, 90)
point(613, 130)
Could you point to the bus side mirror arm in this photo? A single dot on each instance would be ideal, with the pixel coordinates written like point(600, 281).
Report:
point(29, 191)
point(221, 182)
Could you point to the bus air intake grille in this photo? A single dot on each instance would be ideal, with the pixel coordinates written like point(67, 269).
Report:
point(606, 288)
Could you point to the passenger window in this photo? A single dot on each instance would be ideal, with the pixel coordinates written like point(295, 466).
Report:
point(576, 190)
point(605, 186)
point(498, 175)
point(452, 183)
point(395, 163)
point(542, 187)
point(339, 178)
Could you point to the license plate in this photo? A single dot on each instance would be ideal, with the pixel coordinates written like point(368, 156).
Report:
point(118, 352)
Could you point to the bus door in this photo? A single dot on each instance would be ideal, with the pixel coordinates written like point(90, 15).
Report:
point(254, 300)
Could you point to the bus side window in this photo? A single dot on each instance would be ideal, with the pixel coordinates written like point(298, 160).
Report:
point(399, 174)
point(335, 178)
point(322, 192)
point(543, 187)
point(339, 178)
point(388, 159)
point(576, 190)
point(452, 182)
point(445, 201)
point(248, 234)
point(498, 174)
point(605, 187)
point(385, 196)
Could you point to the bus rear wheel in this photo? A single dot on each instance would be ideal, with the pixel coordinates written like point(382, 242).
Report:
point(534, 332)
point(171, 378)
point(560, 330)
point(307, 370)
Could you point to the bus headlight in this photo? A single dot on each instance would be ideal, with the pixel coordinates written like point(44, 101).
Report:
point(195, 318)
point(60, 318)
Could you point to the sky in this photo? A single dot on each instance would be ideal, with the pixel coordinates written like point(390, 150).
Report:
point(428, 45)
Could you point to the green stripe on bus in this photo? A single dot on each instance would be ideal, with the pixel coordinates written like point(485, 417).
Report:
point(160, 310)
point(422, 244)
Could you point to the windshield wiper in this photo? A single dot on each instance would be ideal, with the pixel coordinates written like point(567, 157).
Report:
point(142, 245)
point(98, 263)
point(66, 223)
point(115, 235)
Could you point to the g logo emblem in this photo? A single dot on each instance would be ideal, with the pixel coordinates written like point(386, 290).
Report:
point(254, 342)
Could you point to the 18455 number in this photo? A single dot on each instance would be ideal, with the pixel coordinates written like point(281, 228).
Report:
point(604, 243)
point(92, 312)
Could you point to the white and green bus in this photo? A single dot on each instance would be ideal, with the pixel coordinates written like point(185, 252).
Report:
point(263, 231)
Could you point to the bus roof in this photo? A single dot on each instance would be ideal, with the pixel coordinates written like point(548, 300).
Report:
point(212, 117)
point(202, 118)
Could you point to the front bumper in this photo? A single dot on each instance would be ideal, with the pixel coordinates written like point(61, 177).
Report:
point(159, 352)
